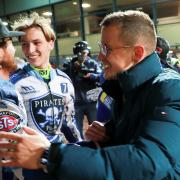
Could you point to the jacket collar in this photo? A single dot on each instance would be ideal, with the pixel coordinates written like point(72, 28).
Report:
point(142, 72)
point(32, 72)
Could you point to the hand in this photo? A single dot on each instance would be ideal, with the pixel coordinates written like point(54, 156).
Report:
point(25, 150)
point(96, 132)
point(87, 75)
point(77, 65)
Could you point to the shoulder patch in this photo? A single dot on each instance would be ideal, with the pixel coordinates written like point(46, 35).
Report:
point(18, 75)
point(64, 75)
point(10, 121)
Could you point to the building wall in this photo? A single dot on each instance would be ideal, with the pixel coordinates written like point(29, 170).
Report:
point(14, 6)
point(68, 22)
point(169, 28)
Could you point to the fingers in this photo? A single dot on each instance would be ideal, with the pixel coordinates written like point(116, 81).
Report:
point(96, 132)
point(98, 127)
point(97, 124)
point(8, 154)
point(92, 135)
point(9, 163)
point(29, 130)
point(7, 145)
point(10, 136)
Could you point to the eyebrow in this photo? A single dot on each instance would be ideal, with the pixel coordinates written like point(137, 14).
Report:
point(34, 40)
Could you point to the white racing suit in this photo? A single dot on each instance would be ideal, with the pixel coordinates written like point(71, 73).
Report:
point(12, 114)
point(49, 106)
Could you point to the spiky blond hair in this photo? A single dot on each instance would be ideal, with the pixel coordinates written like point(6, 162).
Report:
point(34, 20)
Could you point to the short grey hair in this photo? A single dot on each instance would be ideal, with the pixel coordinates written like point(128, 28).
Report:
point(134, 26)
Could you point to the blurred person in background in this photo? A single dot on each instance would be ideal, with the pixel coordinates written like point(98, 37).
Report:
point(84, 73)
point(174, 60)
point(162, 49)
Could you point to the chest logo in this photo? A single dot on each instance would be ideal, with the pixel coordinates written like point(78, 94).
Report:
point(47, 112)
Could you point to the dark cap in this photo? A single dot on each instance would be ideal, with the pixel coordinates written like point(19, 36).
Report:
point(81, 46)
point(5, 33)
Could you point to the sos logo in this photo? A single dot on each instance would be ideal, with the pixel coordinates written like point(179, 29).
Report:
point(9, 121)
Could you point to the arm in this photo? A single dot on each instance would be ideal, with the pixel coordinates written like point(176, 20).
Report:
point(96, 73)
point(152, 156)
point(69, 126)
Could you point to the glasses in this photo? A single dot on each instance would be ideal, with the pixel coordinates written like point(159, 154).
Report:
point(104, 50)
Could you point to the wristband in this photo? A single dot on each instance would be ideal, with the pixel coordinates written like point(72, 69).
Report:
point(44, 160)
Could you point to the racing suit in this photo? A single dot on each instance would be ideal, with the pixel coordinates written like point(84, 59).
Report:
point(49, 106)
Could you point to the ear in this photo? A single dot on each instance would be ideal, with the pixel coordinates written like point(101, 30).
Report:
point(138, 53)
point(51, 44)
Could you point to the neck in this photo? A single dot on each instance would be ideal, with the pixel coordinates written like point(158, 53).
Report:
point(41, 68)
point(44, 73)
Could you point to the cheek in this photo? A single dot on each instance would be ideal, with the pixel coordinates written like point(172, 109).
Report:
point(116, 61)
point(120, 63)
point(9, 63)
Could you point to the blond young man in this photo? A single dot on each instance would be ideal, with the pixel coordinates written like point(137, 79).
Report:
point(48, 93)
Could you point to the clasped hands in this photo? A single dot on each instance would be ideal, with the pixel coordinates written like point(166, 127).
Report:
point(27, 150)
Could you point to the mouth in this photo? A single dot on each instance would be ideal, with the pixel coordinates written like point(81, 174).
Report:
point(32, 57)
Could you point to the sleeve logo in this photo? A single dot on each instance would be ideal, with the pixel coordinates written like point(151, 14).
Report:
point(9, 121)
point(64, 87)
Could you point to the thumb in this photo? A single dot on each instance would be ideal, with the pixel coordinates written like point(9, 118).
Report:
point(29, 130)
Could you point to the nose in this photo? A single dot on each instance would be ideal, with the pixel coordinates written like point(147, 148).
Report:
point(31, 48)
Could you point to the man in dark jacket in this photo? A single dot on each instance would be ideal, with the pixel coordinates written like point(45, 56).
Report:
point(142, 139)
point(84, 73)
